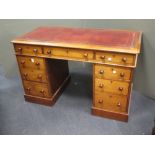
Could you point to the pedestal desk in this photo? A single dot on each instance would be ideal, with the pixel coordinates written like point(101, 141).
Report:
point(43, 55)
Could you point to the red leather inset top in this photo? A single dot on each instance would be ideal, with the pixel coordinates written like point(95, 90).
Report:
point(112, 38)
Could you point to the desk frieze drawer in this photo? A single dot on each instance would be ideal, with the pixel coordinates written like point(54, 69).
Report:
point(81, 54)
point(116, 58)
point(28, 49)
point(36, 89)
point(31, 63)
point(54, 51)
point(111, 102)
point(69, 53)
point(116, 87)
point(112, 72)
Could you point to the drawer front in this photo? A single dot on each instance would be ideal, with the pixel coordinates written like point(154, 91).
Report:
point(115, 58)
point(36, 89)
point(31, 63)
point(85, 55)
point(61, 52)
point(34, 75)
point(114, 73)
point(28, 49)
point(111, 102)
point(116, 87)
point(69, 53)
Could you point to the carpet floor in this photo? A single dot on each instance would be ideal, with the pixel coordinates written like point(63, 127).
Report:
point(71, 115)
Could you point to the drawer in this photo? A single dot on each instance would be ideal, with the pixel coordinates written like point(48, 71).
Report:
point(28, 49)
point(111, 72)
point(116, 58)
point(34, 75)
point(26, 62)
point(69, 53)
point(111, 102)
point(110, 86)
point(36, 89)
point(53, 51)
point(81, 54)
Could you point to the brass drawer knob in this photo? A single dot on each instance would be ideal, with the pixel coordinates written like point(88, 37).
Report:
point(100, 101)
point(118, 104)
point(49, 52)
point(35, 50)
point(85, 55)
point(20, 49)
point(124, 59)
point(22, 62)
point(39, 76)
point(122, 74)
point(37, 63)
point(101, 71)
point(101, 85)
point(120, 88)
point(102, 57)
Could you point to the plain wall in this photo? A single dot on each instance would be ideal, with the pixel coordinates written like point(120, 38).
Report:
point(144, 77)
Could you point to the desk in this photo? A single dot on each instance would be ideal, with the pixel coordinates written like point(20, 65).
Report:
point(43, 55)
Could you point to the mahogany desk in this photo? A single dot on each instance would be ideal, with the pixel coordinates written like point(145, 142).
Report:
point(43, 55)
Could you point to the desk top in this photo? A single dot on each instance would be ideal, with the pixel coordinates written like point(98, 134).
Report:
point(94, 39)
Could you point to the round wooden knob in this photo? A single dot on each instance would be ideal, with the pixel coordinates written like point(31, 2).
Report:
point(22, 62)
point(28, 89)
point(37, 63)
point(101, 85)
point(122, 74)
point(118, 104)
point(39, 76)
point(25, 75)
point(49, 52)
point(101, 71)
point(85, 55)
point(120, 88)
point(100, 101)
point(20, 49)
point(35, 50)
point(102, 56)
point(124, 59)
point(42, 91)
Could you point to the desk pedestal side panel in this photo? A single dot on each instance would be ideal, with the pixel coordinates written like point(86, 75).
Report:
point(43, 79)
